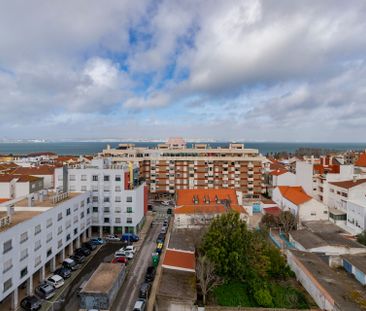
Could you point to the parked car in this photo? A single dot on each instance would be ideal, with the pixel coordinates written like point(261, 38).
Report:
point(56, 281)
point(166, 223)
point(79, 258)
point(130, 248)
point(63, 272)
point(159, 248)
point(96, 241)
point(160, 238)
point(129, 237)
point(83, 251)
point(122, 252)
point(145, 290)
point(112, 238)
point(31, 303)
point(150, 274)
point(90, 246)
point(140, 305)
point(163, 229)
point(45, 291)
point(122, 259)
point(71, 264)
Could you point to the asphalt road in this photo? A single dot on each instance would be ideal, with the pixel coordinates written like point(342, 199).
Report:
point(128, 293)
point(104, 254)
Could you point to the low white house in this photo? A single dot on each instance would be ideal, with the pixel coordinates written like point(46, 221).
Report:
point(294, 199)
point(280, 177)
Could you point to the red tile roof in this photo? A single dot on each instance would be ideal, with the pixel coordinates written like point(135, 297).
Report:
point(278, 172)
point(20, 178)
point(35, 170)
point(276, 166)
point(2, 200)
point(180, 260)
point(206, 201)
point(361, 161)
point(347, 184)
point(295, 194)
point(275, 210)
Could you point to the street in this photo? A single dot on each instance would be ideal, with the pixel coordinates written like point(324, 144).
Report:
point(129, 291)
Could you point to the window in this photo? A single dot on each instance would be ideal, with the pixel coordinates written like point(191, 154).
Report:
point(106, 189)
point(118, 189)
point(59, 216)
point(49, 222)
point(59, 243)
point(49, 237)
point(75, 231)
point(7, 246)
point(23, 272)
point(129, 220)
point(83, 188)
point(95, 209)
point(68, 237)
point(23, 254)
point(68, 224)
point(117, 220)
point(88, 210)
point(60, 178)
point(49, 252)
point(82, 215)
point(7, 284)
point(106, 210)
point(23, 237)
point(95, 177)
point(37, 245)
point(118, 199)
point(72, 188)
point(7, 265)
point(37, 261)
point(118, 178)
point(76, 207)
point(95, 199)
point(37, 229)
point(59, 230)
point(106, 177)
point(117, 209)
point(72, 177)
point(75, 219)
point(68, 212)
point(106, 220)
point(106, 199)
point(129, 199)
point(129, 209)
point(83, 178)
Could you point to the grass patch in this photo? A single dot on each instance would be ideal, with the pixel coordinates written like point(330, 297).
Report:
point(237, 294)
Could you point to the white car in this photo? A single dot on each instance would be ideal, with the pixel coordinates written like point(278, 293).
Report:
point(56, 281)
point(112, 237)
point(123, 253)
point(130, 248)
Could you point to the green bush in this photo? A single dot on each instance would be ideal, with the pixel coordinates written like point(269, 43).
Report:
point(232, 294)
point(263, 298)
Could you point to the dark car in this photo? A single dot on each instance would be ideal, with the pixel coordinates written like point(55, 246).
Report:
point(63, 272)
point(83, 251)
point(90, 246)
point(45, 291)
point(129, 237)
point(150, 274)
point(31, 303)
point(78, 258)
point(145, 290)
point(160, 238)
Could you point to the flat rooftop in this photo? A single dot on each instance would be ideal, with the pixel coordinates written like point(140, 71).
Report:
point(17, 218)
point(103, 278)
point(357, 260)
point(185, 239)
point(47, 200)
point(340, 286)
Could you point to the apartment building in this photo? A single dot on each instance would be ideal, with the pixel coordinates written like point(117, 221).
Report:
point(347, 204)
point(174, 165)
point(119, 197)
point(36, 233)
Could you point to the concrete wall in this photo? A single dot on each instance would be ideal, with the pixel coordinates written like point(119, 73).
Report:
point(304, 176)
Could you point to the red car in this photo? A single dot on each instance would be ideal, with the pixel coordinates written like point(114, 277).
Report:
point(120, 260)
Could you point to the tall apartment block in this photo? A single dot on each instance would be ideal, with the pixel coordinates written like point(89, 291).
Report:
point(36, 233)
point(173, 166)
point(119, 196)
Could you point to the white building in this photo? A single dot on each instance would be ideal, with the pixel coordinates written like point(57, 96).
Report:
point(280, 177)
point(16, 186)
point(303, 206)
point(36, 233)
point(347, 204)
point(119, 199)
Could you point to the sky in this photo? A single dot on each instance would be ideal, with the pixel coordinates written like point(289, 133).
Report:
point(249, 70)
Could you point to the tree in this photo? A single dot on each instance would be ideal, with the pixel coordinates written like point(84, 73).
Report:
point(269, 221)
point(287, 220)
point(205, 273)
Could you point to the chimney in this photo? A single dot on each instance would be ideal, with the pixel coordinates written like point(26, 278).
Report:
point(30, 197)
point(354, 178)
